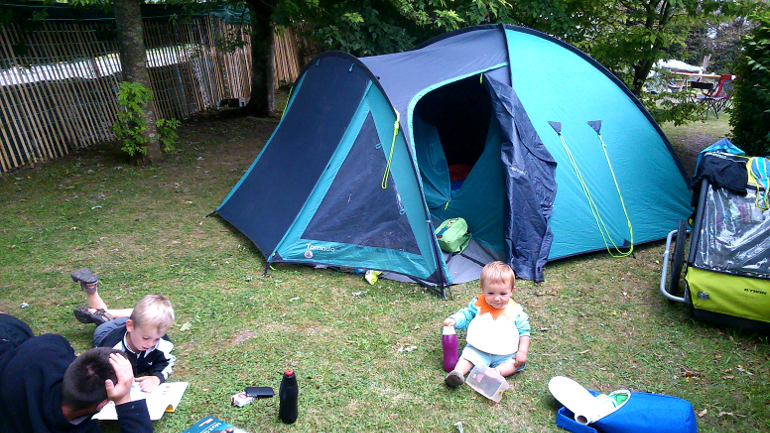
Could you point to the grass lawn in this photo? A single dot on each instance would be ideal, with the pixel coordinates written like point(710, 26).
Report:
point(367, 357)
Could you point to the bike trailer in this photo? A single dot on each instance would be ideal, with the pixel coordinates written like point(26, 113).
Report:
point(727, 267)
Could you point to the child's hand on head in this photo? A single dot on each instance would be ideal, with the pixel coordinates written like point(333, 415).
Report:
point(449, 322)
point(148, 383)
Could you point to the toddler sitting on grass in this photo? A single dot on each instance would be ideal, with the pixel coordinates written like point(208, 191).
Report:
point(498, 328)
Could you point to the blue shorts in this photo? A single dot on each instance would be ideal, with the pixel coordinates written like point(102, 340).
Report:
point(102, 330)
point(477, 357)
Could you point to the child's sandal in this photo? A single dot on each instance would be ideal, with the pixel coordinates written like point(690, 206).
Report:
point(86, 279)
point(98, 317)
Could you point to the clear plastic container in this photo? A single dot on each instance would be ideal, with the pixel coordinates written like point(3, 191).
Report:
point(487, 382)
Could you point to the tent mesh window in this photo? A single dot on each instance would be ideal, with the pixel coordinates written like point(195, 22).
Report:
point(356, 210)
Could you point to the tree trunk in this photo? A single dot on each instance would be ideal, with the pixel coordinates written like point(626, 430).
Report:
point(262, 98)
point(133, 62)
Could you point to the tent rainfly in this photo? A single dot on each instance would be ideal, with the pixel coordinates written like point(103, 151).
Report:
point(482, 123)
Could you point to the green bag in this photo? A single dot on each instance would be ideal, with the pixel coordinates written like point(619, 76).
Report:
point(453, 235)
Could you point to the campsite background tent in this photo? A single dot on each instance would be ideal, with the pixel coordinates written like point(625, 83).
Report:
point(365, 161)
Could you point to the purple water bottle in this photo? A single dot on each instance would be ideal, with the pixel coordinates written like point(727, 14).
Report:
point(449, 344)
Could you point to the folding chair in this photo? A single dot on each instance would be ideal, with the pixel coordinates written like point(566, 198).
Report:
point(717, 99)
point(704, 87)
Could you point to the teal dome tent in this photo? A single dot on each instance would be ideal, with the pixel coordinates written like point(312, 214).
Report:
point(538, 147)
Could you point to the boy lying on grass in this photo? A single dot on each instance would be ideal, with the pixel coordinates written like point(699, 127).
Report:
point(140, 331)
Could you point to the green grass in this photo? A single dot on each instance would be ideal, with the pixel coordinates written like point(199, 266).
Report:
point(365, 362)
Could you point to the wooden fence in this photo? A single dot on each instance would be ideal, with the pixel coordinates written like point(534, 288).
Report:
point(61, 94)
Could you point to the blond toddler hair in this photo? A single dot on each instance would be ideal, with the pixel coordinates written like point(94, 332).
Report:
point(153, 311)
point(497, 272)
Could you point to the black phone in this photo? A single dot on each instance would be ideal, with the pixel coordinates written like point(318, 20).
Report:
point(259, 391)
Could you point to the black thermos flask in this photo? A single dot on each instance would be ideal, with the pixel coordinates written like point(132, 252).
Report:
point(288, 394)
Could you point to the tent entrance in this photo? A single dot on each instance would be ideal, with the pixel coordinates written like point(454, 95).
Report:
point(457, 142)
point(455, 117)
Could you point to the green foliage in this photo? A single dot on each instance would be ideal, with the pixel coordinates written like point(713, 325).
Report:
point(130, 127)
point(750, 117)
point(380, 26)
point(167, 133)
point(360, 28)
point(679, 111)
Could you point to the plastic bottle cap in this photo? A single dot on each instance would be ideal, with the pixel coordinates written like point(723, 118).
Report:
point(289, 372)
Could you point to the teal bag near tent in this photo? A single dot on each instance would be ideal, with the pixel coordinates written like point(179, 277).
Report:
point(453, 235)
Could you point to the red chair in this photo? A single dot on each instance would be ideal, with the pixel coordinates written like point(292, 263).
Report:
point(717, 98)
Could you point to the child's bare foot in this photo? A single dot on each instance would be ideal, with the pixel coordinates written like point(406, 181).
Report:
point(91, 315)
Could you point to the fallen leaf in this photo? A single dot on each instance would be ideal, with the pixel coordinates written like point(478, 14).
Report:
point(721, 414)
point(690, 373)
point(703, 412)
point(657, 354)
point(728, 377)
point(584, 352)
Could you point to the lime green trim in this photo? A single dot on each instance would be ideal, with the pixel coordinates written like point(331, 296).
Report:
point(617, 188)
point(605, 233)
point(384, 183)
point(743, 297)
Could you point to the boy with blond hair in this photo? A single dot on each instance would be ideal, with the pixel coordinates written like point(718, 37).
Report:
point(498, 328)
point(140, 331)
